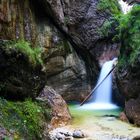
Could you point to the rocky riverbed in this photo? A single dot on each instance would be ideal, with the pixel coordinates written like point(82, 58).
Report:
point(98, 125)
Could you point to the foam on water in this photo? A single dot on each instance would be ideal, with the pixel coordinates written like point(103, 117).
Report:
point(99, 106)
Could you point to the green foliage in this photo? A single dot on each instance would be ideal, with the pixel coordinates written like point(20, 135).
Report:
point(106, 28)
point(110, 6)
point(129, 34)
point(24, 118)
point(33, 54)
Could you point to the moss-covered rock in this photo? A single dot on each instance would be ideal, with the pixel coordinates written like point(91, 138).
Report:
point(25, 120)
point(20, 68)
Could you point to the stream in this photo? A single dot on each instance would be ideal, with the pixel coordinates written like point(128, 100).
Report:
point(101, 125)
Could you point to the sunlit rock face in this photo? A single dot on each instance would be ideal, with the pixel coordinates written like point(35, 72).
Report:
point(60, 112)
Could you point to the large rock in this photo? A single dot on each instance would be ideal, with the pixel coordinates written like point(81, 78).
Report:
point(19, 79)
point(68, 76)
point(129, 83)
point(60, 112)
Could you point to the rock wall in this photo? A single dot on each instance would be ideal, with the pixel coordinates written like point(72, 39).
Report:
point(16, 20)
point(81, 21)
point(129, 83)
point(64, 67)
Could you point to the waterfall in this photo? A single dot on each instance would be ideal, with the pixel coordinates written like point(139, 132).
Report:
point(101, 98)
point(125, 7)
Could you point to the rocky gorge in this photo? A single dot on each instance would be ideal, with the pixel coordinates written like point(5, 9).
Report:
point(51, 52)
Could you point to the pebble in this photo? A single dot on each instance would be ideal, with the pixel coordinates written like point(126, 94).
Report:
point(64, 134)
point(78, 134)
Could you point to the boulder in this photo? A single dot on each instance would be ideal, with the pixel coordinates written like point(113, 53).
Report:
point(78, 134)
point(19, 79)
point(123, 117)
point(128, 79)
point(60, 112)
point(68, 76)
point(132, 110)
point(60, 134)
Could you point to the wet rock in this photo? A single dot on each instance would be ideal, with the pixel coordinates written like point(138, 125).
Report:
point(136, 138)
point(123, 117)
point(60, 112)
point(78, 134)
point(60, 134)
point(128, 80)
point(132, 110)
point(110, 118)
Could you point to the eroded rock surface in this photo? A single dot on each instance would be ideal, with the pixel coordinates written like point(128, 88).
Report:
point(74, 69)
point(81, 21)
point(60, 111)
point(129, 83)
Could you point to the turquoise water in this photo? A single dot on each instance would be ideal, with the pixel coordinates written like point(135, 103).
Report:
point(80, 115)
point(101, 124)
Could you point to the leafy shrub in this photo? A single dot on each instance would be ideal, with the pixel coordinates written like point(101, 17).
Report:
point(110, 6)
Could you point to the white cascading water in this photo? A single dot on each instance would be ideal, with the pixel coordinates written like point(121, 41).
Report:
point(125, 7)
point(101, 98)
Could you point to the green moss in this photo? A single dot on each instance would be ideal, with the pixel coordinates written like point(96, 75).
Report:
point(106, 28)
point(110, 6)
point(33, 54)
point(24, 118)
